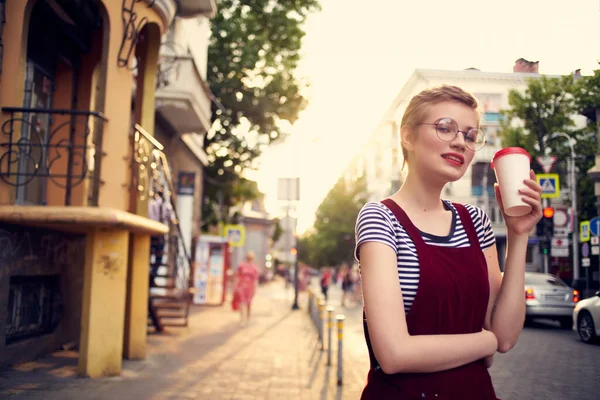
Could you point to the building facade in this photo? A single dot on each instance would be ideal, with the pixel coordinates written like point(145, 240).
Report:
point(75, 176)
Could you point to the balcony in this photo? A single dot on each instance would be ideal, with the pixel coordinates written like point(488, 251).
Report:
point(191, 8)
point(183, 99)
point(48, 156)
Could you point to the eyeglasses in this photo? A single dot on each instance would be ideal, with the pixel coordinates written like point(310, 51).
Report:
point(447, 130)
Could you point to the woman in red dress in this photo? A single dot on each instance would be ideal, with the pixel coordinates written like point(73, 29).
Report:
point(436, 306)
point(246, 278)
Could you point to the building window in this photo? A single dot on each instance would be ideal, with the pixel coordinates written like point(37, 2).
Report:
point(34, 307)
point(529, 255)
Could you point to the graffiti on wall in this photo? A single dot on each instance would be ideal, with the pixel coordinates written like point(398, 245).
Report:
point(23, 246)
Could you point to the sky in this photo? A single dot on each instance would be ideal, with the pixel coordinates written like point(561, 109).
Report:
point(357, 56)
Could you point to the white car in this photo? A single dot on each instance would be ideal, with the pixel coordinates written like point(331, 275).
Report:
point(586, 319)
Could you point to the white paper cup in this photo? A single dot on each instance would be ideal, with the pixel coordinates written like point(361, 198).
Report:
point(512, 166)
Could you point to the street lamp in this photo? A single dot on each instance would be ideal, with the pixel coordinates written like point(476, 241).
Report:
point(573, 186)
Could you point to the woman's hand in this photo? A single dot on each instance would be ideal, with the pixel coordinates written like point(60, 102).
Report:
point(532, 195)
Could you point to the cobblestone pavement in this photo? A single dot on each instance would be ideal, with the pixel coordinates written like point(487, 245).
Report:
point(276, 356)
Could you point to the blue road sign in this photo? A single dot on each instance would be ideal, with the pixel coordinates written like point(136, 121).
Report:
point(595, 226)
point(550, 184)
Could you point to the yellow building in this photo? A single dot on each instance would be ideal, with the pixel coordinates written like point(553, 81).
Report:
point(77, 95)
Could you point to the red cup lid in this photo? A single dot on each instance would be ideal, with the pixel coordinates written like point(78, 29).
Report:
point(510, 150)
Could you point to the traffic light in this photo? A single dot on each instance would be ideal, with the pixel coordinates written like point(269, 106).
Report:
point(544, 245)
point(548, 222)
point(545, 229)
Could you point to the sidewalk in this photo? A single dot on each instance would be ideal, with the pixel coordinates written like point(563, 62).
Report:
point(276, 356)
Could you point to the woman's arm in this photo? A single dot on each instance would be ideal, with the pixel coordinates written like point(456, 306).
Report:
point(396, 350)
point(506, 307)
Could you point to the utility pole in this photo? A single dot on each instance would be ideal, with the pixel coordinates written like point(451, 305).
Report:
point(289, 190)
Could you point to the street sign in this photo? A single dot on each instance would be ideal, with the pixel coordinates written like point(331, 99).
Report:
point(595, 226)
point(546, 162)
point(560, 219)
point(558, 243)
point(595, 240)
point(584, 231)
point(560, 252)
point(236, 235)
point(585, 249)
point(585, 262)
point(561, 232)
point(550, 184)
point(595, 250)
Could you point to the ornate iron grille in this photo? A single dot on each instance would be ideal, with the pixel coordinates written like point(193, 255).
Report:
point(49, 146)
point(34, 307)
point(131, 31)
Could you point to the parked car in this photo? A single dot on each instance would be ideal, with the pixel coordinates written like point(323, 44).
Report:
point(586, 319)
point(548, 297)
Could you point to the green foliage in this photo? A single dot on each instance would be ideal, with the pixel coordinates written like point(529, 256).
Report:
point(277, 232)
point(544, 108)
point(332, 242)
point(253, 54)
point(587, 94)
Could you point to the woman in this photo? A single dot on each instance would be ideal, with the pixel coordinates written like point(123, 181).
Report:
point(436, 306)
point(348, 285)
point(246, 278)
point(325, 281)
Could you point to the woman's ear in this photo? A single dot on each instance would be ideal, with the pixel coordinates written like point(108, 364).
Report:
point(406, 138)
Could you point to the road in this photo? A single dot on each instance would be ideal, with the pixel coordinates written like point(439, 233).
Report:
point(547, 363)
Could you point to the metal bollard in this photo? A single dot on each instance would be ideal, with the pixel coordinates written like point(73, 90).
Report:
point(330, 310)
point(340, 327)
point(321, 325)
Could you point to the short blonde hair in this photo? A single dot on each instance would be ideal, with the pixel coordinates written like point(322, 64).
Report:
point(421, 103)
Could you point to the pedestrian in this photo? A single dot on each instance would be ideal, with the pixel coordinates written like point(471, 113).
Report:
point(325, 281)
point(246, 278)
point(436, 308)
point(161, 211)
point(347, 285)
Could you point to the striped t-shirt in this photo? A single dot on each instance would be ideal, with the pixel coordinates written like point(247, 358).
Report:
point(377, 223)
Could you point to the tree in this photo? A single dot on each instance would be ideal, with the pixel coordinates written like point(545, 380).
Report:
point(546, 107)
point(252, 58)
point(332, 242)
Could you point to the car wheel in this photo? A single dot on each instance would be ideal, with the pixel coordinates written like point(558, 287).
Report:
point(585, 327)
point(566, 323)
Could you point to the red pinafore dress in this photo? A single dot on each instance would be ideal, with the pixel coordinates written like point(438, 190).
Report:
point(452, 298)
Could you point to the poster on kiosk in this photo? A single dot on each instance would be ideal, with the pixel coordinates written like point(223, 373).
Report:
point(210, 263)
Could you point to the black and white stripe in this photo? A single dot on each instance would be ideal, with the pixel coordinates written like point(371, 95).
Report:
point(376, 223)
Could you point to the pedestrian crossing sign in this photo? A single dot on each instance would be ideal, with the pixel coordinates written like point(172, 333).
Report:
point(550, 184)
point(235, 234)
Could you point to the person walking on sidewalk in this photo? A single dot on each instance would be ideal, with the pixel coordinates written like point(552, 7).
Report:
point(159, 210)
point(325, 281)
point(436, 307)
point(245, 282)
point(348, 286)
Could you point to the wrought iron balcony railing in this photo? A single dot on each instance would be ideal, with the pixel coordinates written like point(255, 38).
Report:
point(40, 148)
